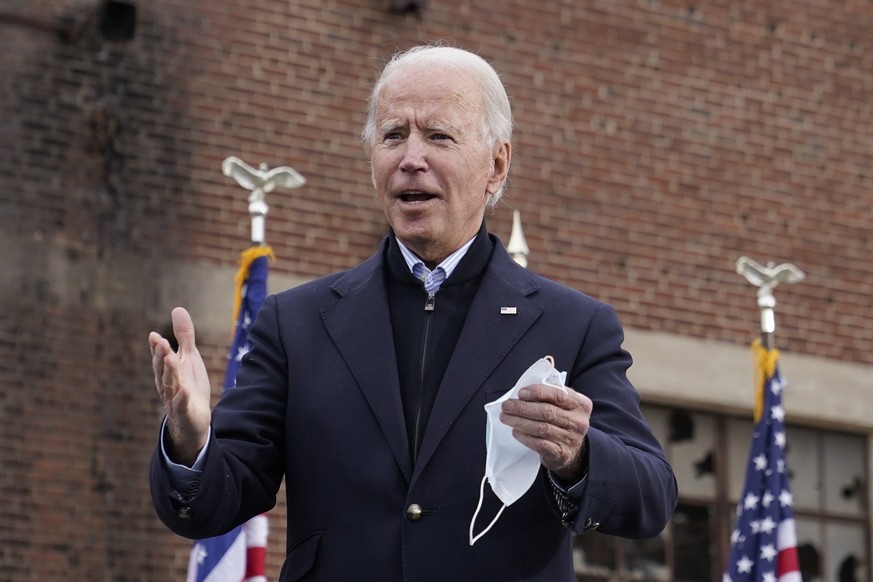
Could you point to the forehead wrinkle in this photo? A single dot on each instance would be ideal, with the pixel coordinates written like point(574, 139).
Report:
point(456, 109)
point(459, 91)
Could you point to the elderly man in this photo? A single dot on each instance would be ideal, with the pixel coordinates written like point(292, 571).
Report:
point(366, 389)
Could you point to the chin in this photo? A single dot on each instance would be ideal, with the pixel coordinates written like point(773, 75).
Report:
point(414, 237)
point(421, 229)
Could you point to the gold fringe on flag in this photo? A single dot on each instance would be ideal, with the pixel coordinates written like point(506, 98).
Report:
point(247, 257)
point(765, 367)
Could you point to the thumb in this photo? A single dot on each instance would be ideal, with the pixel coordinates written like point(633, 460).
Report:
point(183, 329)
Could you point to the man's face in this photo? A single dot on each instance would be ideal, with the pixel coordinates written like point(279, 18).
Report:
point(430, 164)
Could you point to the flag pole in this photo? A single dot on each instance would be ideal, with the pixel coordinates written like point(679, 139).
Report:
point(766, 279)
point(259, 181)
point(763, 542)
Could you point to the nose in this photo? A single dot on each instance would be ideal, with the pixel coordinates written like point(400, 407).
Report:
point(414, 155)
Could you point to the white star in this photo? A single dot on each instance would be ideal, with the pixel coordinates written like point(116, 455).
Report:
point(751, 501)
point(767, 499)
point(735, 536)
point(786, 499)
point(779, 438)
point(755, 525)
point(744, 565)
point(242, 351)
point(780, 466)
point(768, 552)
point(767, 525)
point(760, 462)
point(768, 577)
point(777, 413)
point(776, 386)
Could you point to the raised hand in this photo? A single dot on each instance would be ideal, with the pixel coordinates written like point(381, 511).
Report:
point(183, 385)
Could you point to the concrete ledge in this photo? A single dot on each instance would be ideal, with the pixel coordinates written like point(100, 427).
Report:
point(715, 375)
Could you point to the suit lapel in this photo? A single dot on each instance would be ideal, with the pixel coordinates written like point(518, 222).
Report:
point(360, 326)
point(486, 339)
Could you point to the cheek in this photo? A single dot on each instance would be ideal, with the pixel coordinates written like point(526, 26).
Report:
point(378, 171)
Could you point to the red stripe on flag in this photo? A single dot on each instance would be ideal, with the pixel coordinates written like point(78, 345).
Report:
point(787, 561)
point(256, 561)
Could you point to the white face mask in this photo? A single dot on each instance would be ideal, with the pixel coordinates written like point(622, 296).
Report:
point(510, 467)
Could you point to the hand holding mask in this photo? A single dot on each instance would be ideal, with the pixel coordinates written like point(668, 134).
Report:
point(510, 467)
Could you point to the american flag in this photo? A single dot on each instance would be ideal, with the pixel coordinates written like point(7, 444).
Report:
point(764, 541)
point(239, 554)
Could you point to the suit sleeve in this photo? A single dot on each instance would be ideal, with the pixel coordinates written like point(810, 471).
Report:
point(631, 490)
point(242, 468)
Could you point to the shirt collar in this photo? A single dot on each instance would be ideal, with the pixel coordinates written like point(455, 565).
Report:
point(448, 264)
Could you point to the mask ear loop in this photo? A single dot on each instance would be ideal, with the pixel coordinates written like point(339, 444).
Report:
point(473, 540)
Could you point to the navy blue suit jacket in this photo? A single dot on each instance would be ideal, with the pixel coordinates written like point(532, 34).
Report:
point(317, 402)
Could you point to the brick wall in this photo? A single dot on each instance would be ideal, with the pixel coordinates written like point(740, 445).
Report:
point(656, 142)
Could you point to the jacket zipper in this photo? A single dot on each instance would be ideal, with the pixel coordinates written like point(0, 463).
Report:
point(428, 307)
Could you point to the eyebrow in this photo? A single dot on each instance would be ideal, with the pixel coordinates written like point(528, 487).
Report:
point(390, 125)
point(443, 127)
point(439, 126)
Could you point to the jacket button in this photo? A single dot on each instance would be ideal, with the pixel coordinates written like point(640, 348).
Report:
point(413, 512)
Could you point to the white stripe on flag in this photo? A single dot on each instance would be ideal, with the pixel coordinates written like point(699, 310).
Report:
point(786, 536)
point(256, 531)
point(232, 565)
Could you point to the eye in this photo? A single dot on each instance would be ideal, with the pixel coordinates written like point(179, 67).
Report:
point(392, 132)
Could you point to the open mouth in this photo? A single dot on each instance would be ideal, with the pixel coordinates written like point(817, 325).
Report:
point(415, 196)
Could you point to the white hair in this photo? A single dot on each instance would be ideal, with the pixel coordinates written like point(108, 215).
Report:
point(497, 121)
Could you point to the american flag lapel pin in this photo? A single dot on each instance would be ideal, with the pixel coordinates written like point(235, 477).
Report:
point(508, 311)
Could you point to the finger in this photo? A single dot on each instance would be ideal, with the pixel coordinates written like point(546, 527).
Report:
point(183, 329)
point(559, 428)
point(567, 399)
point(545, 420)
point(159, 348)
point(158, 369)
point(154, 339)
point(164, 366)
point(169, 379)
point(540, 413)
point(556, 442)
point(535, 412)
point(533, 428)
point(546, 393)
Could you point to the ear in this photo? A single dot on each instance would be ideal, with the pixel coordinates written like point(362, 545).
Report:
point(499, 168)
